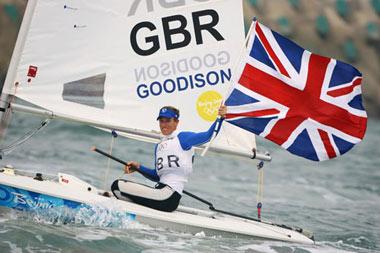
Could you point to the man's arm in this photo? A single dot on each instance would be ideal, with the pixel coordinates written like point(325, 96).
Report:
point(150, 174)
point(191, 139)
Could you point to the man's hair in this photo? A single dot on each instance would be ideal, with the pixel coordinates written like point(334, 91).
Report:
point(171, 108)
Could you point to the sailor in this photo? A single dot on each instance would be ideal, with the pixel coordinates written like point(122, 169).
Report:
point(173, 164)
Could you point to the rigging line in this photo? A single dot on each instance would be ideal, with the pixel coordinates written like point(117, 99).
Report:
point(260, 188)
point(7, 149)
point(113, 137)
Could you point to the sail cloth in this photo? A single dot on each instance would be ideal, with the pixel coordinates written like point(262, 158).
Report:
point(309, 104)
point(118, 62)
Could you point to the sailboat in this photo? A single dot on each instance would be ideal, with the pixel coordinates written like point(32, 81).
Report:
point(111, 65)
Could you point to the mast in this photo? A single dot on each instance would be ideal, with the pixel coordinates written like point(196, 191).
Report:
point(19, 46)
point(8, 89)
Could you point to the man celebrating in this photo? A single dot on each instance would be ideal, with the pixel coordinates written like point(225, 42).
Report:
point(173, 164)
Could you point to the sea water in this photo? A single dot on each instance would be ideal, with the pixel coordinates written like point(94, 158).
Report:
point(338, 200)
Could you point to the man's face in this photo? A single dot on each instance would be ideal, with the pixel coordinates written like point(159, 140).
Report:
point(167, 125)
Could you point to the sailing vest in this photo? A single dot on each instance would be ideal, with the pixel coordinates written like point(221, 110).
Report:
point(173, 164)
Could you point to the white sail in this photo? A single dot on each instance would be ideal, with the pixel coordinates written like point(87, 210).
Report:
point(116, 62)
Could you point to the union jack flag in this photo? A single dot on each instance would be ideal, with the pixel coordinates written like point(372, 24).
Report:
point(309, 104)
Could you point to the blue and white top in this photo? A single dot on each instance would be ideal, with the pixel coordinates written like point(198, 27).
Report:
point(174, 157)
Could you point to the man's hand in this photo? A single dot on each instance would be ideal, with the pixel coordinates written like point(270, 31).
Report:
point(222, 111)
point(131, 167)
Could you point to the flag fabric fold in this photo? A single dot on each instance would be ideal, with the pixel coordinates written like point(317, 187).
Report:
point(309, 104)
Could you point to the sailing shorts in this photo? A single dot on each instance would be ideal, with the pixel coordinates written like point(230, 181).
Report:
point(162, 197)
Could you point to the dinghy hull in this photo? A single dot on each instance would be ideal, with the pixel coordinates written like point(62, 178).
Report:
point(27, 193)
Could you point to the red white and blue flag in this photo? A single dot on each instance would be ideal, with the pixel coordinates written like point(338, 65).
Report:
point(309, 104)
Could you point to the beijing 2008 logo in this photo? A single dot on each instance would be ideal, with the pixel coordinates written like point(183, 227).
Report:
point(208, 104)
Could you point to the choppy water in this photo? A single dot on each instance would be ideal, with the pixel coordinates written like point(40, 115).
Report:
point(338, 200)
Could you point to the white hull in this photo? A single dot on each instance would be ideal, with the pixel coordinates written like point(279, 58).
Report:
point(25, 193)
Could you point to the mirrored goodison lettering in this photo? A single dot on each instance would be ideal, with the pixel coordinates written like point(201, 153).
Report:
point(180, 69)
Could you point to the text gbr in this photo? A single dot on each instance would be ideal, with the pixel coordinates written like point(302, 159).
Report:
point(153, 42)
